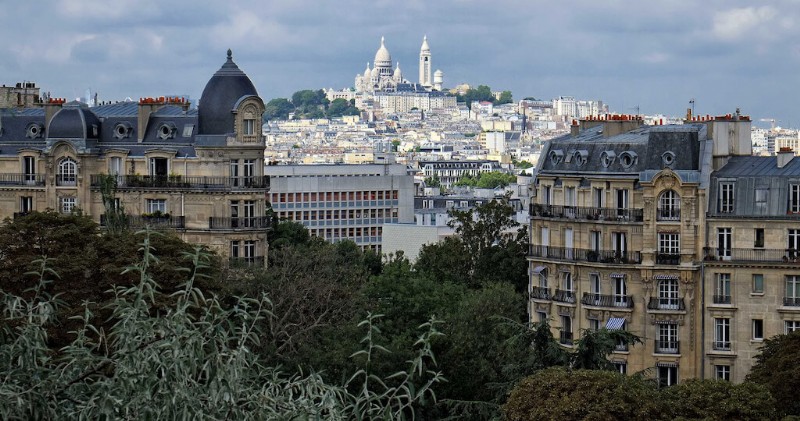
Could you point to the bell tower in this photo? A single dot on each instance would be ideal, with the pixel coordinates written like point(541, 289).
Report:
point(425, 64)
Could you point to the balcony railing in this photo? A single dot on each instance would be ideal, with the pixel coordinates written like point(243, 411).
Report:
point(621, 347)
point(751, 255)
point(668, 214)
point(182, 182)
point(722, 299)
point(138, 221)
point(721, 345)
point(586, 213)
point(599, 300)
point(540, 293)
point(565, 338)
point(22, 180)
point(564, 296)
point(668, 259)
point(585, 255)
point(791, 301)
point(241, 262)
point(253, 223)
point(668, 347)
point(661, 303)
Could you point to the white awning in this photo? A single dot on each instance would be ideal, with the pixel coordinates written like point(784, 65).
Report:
point(615, 323)
point(538, 269)
point(616, 275)
point(667, 364)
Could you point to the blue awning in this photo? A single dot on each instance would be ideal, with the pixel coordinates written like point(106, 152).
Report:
point(663, 276)
point(615, 323)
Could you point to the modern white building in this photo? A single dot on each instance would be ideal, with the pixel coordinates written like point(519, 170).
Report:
point(343, 202)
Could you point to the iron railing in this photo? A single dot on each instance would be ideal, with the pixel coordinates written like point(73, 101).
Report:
point(586, 213)
point(599, 300)
point(722, 345)
point(668, 259)
point(722, 299)
point(141, 221)
point(791, 301)
point(668, 214)
point(22, 180)
point(250, 223)
point(751, 255)
point(585, 255)
point(667, 347)
point(666, 303)
point(564, 296)
point(183, 182)
point(540, 293)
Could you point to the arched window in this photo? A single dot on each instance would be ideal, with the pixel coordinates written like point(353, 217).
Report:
point(67, 172)
point(669, 206)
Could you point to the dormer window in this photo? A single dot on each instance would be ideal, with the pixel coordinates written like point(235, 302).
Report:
point(607, 158)
point(627, 159)
point(167, 130)
point(556, 156)
point(123, 130)
point(34, 131)
point(249, 127)
point(581, 157)
point(668, 159)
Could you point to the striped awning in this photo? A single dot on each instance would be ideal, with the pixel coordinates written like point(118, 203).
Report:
point(663, 276)
point(539, 269)
point(667, 364)
point(665, 322)
point(615, 323)
point(616, 275)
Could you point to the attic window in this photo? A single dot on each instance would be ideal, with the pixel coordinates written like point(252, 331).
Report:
point(607, 158)
point(668, 158)
point(627, 159)
point(34, 131)
point(166, 131)
point(581, 157)
point(556, 156)
point(122, 130)
point(187, 130)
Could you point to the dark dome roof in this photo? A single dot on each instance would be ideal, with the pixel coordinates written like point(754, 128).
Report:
point(73, 121)
point(221, 93)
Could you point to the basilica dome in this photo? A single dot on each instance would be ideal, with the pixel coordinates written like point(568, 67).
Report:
point(220, 96)
point(382, 57)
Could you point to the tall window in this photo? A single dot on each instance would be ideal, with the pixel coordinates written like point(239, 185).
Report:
point(569, 196)
point(621, 367)
point(234, 172)
point(724, 243)
point(758, 283)
point(722, 372)
point(790, 326)
point(594, 241)
point(620, 292)
point(792, 297)
point(726, 203)
point(722, 334)
point(622, 202)
point(250, 251)
point(758, 237)
point(29, 169)
point(249, 208)
point(762, 198)
point(597, 198)
point(26, 204)
point(67, 204)
point(758, 329)
point(157, 206)
point(594, 285)
point(67, 172)
point(669, 247)
point(667, 339)
point(794, 198)
point(547, 192)
point(668, 294)
point(159, 167)
point(667, 375)
point(669, 206)
point(543, 278)
point(249, 127)
point(566, 281)
point(793, 236)
point(619, 244)
point(235, 214)
point(722, 289)
point(235, 246)
point(566, 330)
point(249, 171)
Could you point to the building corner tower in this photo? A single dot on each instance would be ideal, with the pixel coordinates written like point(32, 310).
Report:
point(425, 64)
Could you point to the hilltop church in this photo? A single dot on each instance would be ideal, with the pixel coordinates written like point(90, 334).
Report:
point(382, 78)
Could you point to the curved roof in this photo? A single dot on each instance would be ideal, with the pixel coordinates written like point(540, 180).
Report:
point(221, 93)
point(73, 121)
point(382, 57)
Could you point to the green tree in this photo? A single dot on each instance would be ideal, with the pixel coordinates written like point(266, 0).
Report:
point(278, 109)
point(467, 181)
point(505, 98)
point(719, 400)
point(481, 93)
point(339, 107)
point(560, 394)
point(495, 180)
point(445, 261)
point(778, 368)
point(432, 181)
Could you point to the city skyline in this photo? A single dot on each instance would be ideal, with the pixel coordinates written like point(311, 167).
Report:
point(724, 54)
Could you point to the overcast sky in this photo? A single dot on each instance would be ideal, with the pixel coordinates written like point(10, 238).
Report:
point(654, 55)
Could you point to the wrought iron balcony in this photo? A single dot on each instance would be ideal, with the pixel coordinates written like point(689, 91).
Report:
point(585, 255)
point(621, 347)
point(791, 301)
point(599, 300)
point(722, 299)
point(141, 221)
point(564, 296)
point(668, 259)
point(586, 213)
point(540, 293)
point(664, 303)
point(241, 262)
point(33, 180)
point(251, 223)
point(668, 214)
point(667, 347)
point(751, 255)
point(182, 182)
point(721, 345)
point(565, 338)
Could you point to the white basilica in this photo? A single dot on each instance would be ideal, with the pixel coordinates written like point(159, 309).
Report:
point(382, 78)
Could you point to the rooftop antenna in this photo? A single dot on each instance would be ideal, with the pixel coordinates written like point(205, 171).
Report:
point(691, 102)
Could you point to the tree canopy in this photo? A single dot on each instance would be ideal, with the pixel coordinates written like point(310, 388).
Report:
point(778, 368)
point(484, 93)
point(309, 103)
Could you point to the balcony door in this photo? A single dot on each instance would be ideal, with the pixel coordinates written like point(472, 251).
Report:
point(668, 294)
point(569, 243)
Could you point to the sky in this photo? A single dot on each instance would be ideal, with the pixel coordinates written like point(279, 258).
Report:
point(656, 56)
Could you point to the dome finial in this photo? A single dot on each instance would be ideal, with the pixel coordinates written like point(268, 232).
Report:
point(381, 40)
point(230, 54)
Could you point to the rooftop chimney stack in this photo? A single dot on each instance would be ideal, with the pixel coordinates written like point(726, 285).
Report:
point(785, 155)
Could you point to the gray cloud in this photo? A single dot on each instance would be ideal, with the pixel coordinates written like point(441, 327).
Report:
point(654, 55)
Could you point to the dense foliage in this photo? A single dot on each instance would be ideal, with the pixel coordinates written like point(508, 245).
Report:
point(778, 368)
point(488, 180)
point(484, 93)
point(308, 104)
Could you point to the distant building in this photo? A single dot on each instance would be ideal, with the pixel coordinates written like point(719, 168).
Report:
point(449, 172)
point(382, 78)
point(343, 202)
point(21, 95)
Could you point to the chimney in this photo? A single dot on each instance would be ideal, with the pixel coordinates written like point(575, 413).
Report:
point(574, 129)
point(785, 155)
point(147, 106)
point(51, 107)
